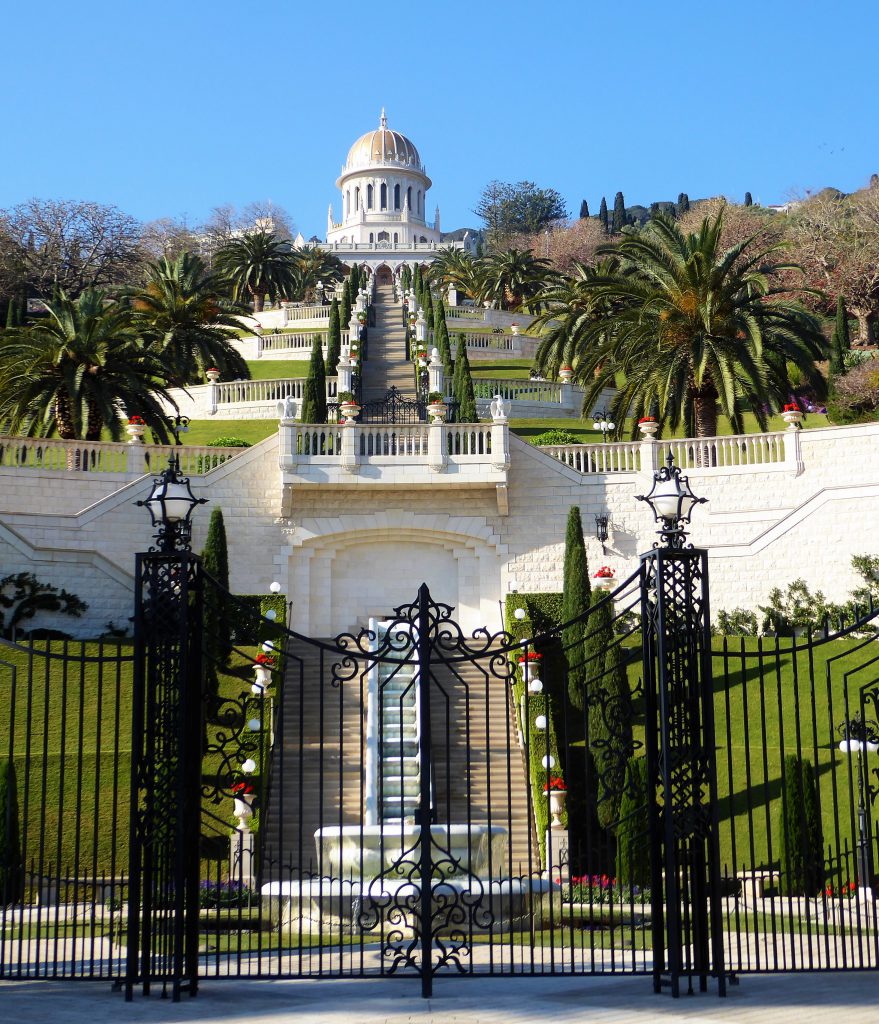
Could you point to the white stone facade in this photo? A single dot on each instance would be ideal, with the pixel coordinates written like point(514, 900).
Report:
point(349, 543)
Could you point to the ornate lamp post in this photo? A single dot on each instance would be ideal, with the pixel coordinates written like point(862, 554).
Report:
point(604, 424)
point(170, 506)
point(860, 737)
point(671, 501)
point(601, 530)
point(179, 425)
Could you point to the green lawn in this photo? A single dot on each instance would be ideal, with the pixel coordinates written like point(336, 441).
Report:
point(508, 369)
point(252, 431)
point(273, 369)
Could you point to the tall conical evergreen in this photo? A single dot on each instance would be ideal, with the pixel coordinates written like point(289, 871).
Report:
point(441, 339)
point(11, 863)
point(584, 210)
point(345, 307)
point(801, 856)
point(576, 596)
point(428, 303)
point(314, 391)
point(610, 733)
point(406, 278)
point(619, 214)
point(334, 339)
point(602, 215)
point(683, 204)
point(633, 831)
point(464, 393)
point(748, 200)
point(217, 631)
point(841, 342)
point(354, 282)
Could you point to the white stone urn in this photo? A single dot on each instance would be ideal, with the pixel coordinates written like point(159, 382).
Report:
point(350, 410)
point(262, 678)
point(793, 418)
point(439, 411)
point(135, 432)
point(557, 798)
point(566, 374)
point(213, 375)
point(515, 329)
point(603, 582)
point(243, 810)
point(648, 428)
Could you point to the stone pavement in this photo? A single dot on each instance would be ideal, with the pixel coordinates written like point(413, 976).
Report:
point(849, 998)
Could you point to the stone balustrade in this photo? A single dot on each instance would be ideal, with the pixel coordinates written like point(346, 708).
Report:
point(292, 313)
point(113, 457)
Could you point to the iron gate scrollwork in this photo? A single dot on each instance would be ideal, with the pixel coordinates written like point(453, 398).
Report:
point(393, 408)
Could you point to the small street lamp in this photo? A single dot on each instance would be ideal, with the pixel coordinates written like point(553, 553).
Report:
point(671, 501)
point(604, 424)
point(860, 737)
point(179, 425)
point(170, 506)
point(601, 530)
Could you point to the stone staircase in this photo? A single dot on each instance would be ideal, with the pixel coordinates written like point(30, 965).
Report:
point(387, 365)
point(399, 764)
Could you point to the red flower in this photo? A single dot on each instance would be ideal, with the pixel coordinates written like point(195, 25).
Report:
point(791, 407)
point(647, 419)
point(604, 573)
point(136, 420)
point(556, 783)
point(530, 656)
point(242, 788)
point(265, 660)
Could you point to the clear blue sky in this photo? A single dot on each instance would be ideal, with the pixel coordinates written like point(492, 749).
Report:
point(172, 107)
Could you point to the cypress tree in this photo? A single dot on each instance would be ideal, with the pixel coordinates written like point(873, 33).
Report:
point(314, 391)
point(576, 596)
point(840, 342)
point(602, 215)
point(801, 855)
point(633, 831)
point(748, 200)
point(345, 307)
point(354, 280)
point(464, 394)
point(11, 864)
point(441, 339)
point(217, 627)
point(584, 210)
point(406, 278)
point(613, 719)
point(619, 214)
point(428, 303)
point(334, 339)
point(683, 204)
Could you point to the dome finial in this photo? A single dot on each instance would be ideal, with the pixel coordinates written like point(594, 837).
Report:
point(383, 121)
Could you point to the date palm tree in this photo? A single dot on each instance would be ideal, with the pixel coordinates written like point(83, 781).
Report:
point(460, 270)
point(515, 277)
point(180, 311)
point(255, 265)
point(313, 265)
point(691, 331)
point(79, 370)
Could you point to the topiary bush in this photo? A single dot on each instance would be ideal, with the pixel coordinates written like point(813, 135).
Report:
point(228, 442)
point(633, 830)
point(11, 864)
point(554, 437)
point(801, 858)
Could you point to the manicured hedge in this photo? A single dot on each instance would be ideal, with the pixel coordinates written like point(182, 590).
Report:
point(11, 867)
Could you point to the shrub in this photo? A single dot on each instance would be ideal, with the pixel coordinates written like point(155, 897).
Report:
point(738, 622)
point(633, 830)
point(795, 609)
point(554, 437)
point(228, 442)
point(855, 394)
point(11, 865)
point(801, 857)
point(576, 597)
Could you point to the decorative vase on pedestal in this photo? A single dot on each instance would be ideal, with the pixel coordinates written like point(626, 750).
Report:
point(793, 418)
point(556, 807)
point(212, 375)
point(648, 428)
point(603, 582)
point(515, 329)
point(350, 411)
point(439, 411)
point(566, 374)
point(263, 677)
point(243, 811)
point(135, 433)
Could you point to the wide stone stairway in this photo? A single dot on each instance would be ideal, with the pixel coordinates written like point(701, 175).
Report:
point(387, 365)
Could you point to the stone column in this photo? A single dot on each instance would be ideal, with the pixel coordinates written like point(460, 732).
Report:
point(350, 447)
point(793, 452)
point(435, 372)
point(344, 371)
point(421, 327)
point(437, 457)
point(213, 391)
point(241, 856)
point(500, 435)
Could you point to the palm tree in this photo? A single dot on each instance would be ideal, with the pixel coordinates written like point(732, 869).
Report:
point(515, 277)
point(257, 264)
point(182, 315)
point(458, 268)
point(313, 265)
point(79, 370)
point(692, 330)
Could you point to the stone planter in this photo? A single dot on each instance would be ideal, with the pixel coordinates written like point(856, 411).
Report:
point(212, 375)
point(350, 411)
point(135, 433)
point(438, 411)
point(648, 429)
point(566, 375)
point(603, 582)
point(792, 419)
point(242, 809)
point(262, 678)
point(557, 799)
point(515, 330)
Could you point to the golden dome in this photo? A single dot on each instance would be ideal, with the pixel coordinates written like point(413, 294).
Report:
point(383, 146)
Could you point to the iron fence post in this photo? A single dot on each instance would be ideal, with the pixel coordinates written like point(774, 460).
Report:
point(424, 815)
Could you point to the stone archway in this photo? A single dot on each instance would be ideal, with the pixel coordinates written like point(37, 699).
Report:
point(383, 275)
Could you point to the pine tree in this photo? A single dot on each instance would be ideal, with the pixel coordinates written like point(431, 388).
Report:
point(633, 830)
point(683, 204)
point(464, 393)
point(602, 215)
point(748, 200)
point(584, 210)
point(801, 855)
point(11, 865)
point(334, 339)
point(576, 597)
point(441, 339)
point(619, 214)
point(840, 343)
point(216, 644)
point(314, 391)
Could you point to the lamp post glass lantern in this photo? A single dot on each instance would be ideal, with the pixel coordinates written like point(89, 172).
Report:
point(671, 500)
point(861, 738)
point(601, 530)
point(170, 506)
point(603, 423)
point(179, 425)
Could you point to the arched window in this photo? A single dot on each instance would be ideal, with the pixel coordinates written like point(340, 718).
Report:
point(419, 203)
point(348, 203)
point(396, 238)
point(384, 196)
point(409, 197)
point(383, 236)
point(396, 197)
point(369, 197)
point(356, 198)
point(371, 239)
